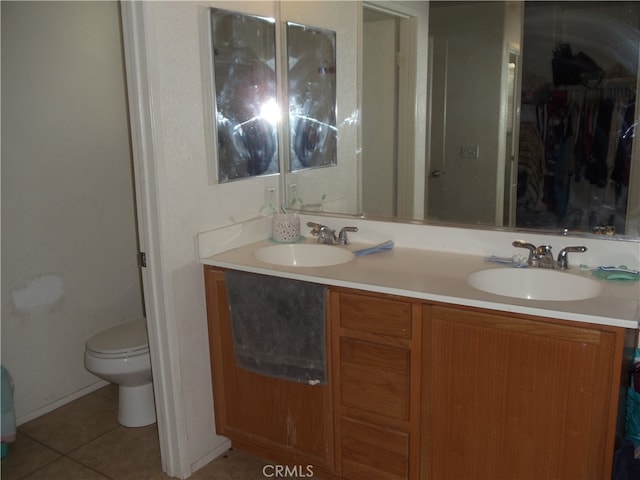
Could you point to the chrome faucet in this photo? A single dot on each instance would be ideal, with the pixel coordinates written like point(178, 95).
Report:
point(542, 257)
point(563, 261)
point(324, 233)
point(328, 236)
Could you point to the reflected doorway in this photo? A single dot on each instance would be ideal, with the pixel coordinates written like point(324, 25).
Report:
point(388, 95)
point(468, 97)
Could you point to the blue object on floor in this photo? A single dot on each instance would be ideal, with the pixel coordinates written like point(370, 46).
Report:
point(8, 427)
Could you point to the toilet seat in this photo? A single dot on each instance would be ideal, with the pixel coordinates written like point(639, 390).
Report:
point(124, 340)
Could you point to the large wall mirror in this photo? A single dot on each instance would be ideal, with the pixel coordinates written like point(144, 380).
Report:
point(529, 115)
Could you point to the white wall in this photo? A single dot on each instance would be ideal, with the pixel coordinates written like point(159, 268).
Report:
point(379, 67)
point(69, 266)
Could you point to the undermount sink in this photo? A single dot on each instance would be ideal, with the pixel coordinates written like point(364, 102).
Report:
point(303, 255)
point(534, 284)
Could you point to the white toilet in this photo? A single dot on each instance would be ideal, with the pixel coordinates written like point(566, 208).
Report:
point(121, 355)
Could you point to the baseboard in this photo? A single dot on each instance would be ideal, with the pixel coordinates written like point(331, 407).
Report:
point(212, 455)
point(60, 402)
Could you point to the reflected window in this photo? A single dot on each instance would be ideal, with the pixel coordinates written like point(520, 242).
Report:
point(246, 109)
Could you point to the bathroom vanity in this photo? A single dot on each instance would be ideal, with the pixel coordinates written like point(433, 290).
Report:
point(431, 378)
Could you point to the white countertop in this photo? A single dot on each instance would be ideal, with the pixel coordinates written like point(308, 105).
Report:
point(441, 277)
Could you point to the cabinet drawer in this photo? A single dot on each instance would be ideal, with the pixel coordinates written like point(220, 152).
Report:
point(375, 378)
point(382, 316)
point(370, 451)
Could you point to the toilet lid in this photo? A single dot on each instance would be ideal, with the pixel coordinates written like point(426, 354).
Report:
point(129, 337)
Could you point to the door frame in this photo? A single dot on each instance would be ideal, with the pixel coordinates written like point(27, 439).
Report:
point(163, 345)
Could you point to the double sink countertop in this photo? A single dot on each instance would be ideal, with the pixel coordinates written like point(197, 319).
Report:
point(426, 274)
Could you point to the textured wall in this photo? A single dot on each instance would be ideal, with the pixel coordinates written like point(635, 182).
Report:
point(69, 267)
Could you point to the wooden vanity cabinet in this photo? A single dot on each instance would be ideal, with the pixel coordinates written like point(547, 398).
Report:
point(431, 391)
point(286, 422)
point(512, 396)
point(376, 375)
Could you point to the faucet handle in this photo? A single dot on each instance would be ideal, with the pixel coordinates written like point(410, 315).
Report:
point(324, 233)
point(563, 261)
point(531, 247)
point(342, 236)
point(315, 228)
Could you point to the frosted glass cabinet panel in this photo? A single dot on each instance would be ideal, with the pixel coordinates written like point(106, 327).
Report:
point(311, 74)
point(246, 110)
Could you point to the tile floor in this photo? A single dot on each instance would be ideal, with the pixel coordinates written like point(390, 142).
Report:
point(84, 441)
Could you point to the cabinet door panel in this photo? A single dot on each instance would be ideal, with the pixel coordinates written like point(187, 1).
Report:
point(269, 414)
point(371, 451)
point(509, 397)
point(375, 377)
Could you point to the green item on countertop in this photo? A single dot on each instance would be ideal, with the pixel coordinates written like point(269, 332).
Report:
point(621, 273)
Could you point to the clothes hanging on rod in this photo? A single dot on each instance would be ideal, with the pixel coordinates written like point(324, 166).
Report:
point(587, 135)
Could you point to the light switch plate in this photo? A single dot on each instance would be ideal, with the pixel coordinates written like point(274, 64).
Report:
point(470, 151)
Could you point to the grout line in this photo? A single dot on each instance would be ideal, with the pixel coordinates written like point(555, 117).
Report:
point(90, 468)
point(27, 475)
point(92, 440)
point(40, 442)
point(65, 455)
point(49, 450)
